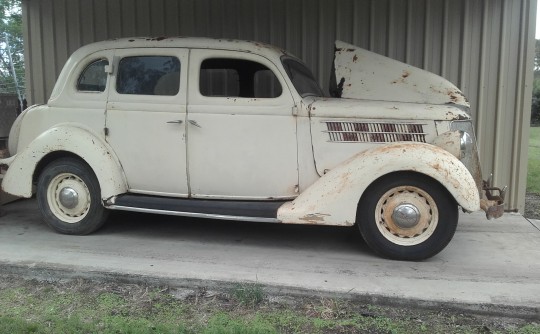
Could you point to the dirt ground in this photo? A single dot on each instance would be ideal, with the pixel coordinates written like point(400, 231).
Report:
point(532, 206)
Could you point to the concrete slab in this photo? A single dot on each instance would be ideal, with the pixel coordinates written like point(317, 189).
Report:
point(535, 222)
point(488, 266)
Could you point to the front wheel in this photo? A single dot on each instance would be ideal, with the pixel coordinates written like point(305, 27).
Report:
point(407, 216)
point(69, 197)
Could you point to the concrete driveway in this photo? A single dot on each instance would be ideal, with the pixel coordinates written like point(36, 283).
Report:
point(490, 266)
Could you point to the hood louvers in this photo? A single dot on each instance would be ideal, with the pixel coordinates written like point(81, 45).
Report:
point(369, 132)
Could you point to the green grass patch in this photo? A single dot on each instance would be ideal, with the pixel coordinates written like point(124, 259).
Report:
point(249, 294)
point(533, 172)
point(87, 307)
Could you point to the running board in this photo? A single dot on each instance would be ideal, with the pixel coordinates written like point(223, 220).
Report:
point(256, 211)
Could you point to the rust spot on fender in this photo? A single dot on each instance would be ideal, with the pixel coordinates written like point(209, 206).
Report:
point(160, 38)
point(346, 50)
point(315, 218)
point(404, 76)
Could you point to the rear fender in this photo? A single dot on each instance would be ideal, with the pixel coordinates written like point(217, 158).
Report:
point(67, 138)
point(333, 199)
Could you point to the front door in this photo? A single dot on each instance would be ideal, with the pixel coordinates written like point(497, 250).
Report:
point(241, 129)
point(145, 121)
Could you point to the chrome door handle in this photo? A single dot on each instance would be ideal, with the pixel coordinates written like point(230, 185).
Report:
point(194, 123)
point(178, 121)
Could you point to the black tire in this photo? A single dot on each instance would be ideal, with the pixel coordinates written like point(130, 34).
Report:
point(394, 229)
point(78, 210)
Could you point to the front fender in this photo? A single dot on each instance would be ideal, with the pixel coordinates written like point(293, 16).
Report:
point(333, 199)
point(67, 138)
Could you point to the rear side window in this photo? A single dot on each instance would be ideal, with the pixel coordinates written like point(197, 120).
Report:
point(237, 78)
point(148, 75)
point(93, 78)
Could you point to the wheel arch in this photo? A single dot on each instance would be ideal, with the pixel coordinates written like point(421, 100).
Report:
point(402, 174)
point(334, 198)
point(50, 157)
point(62, 141)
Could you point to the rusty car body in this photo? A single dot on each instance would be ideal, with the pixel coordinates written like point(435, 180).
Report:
point(241, 130)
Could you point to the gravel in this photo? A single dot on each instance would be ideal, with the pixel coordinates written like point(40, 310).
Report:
point(532, 206)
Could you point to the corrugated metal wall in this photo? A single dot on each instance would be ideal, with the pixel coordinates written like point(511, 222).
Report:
point(486, 47)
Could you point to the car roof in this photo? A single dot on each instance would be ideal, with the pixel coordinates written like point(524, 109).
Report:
point(182, 42)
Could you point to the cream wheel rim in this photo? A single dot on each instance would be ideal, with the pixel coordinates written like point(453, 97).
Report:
point(406, 215)
point(68, 197)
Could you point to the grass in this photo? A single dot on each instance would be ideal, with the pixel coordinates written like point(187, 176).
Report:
point(248, 294)
point(87, 307)
point(533, 173)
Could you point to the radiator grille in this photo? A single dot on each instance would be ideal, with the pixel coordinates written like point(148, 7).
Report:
point(369, 132)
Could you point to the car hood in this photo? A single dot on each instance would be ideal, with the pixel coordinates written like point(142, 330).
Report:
point(362, 74)
point(370, 109)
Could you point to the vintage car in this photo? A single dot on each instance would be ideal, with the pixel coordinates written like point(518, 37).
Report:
point(242, 131)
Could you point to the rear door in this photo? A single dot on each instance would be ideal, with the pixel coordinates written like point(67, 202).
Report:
point(145, 121)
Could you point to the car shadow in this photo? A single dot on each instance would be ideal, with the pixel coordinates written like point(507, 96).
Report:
point(274, 235)
point(153, 228)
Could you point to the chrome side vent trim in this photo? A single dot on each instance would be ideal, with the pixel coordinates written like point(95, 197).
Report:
point(370, 132)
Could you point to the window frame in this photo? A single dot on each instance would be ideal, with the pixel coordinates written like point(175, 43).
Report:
point(157, 55)
point(254, 72)
point(139, 102)
point(281, 105)
point(87, 65)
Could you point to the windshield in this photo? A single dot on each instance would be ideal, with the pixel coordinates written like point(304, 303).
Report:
point(301, 77)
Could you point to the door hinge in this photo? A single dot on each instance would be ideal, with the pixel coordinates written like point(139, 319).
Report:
point(106, 131)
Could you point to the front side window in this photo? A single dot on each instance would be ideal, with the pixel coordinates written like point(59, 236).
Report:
point(237, 78)
point(148, 75)
point(302, 78)
point(93, 78)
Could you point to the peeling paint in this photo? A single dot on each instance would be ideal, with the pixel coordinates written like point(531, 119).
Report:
point(315, 218)
point(18, 179)
point(383, 79)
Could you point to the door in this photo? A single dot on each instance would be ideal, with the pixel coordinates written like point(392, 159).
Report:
point(241, 129)
point(145, 121)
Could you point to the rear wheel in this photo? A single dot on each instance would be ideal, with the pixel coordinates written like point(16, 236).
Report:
point(407, 216)
point(69, 197)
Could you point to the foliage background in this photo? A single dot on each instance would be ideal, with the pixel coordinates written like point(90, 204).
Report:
point(11, 31)
point(535, 111)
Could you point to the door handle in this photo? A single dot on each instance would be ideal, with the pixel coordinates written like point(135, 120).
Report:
point(178, 121)
point(194, 123)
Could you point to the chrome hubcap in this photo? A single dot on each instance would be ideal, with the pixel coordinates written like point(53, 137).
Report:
point(406, 215)
point(68, 197)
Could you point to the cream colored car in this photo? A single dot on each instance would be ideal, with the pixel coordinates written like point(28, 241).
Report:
point(242, 131)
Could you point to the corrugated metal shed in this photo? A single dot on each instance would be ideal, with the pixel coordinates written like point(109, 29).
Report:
point(8, 114)
point(486, 47)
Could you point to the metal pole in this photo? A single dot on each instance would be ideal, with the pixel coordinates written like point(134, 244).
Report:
point(13, 71)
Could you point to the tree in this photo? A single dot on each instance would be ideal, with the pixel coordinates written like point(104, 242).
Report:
point(11, 48)
point(535, 109)
point(537, 56)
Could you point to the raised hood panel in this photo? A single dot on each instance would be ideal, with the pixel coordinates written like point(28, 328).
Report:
point(362, 74)
point(388, 110)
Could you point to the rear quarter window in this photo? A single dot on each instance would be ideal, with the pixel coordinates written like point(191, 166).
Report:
point(93, 78)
